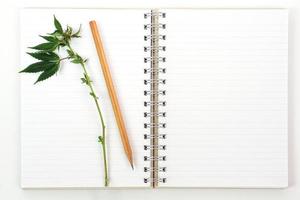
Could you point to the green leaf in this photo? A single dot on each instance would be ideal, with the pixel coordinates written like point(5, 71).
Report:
point(61, 45)
point(38, 67)
point(93, 95)
point(50, 38)
point(69, 30)
point(48, 73)
point(70, 53)
point(76, 35)
point(76, 61)
point(87, 78)
point(83, 80)
point(100, 139)
point(46, 56)
point(58, 25)
point(48, 46)
point(55, 34)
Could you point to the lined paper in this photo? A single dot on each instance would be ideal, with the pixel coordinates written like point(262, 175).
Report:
point(59, 121)
point(226, 98)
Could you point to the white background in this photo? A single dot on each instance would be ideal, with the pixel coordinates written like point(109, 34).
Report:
point(9, 106)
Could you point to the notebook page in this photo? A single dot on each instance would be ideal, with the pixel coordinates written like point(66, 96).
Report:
point(59, 121)
point(226, 98)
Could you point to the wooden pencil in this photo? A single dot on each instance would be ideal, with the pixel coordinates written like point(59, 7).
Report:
point(111, 91)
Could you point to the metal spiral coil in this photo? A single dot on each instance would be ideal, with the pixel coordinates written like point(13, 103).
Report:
point(149, 37)
point(155, 125)
point(160, 136)
point(151, 71)
point(161, 180)
point(151, 14)
point(160, 81)
point(158, 158)
point(159, 147)
point(154, 93)
point(160, 169)
point(150, 59)
point(158, 114)
point(159, 103)
point(148, 26)
point(160, 48)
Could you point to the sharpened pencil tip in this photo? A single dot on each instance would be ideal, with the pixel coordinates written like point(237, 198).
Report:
point(132, 165)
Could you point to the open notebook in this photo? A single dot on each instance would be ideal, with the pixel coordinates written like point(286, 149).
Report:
point(203, 93)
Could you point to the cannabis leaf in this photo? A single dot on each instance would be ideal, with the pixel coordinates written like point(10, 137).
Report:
point(46, 56)
point(48, 46)
point(49, 38)
point(48, 65)
point(39, 67)
point(58, 25)
point(76, 35)
point(48, 73)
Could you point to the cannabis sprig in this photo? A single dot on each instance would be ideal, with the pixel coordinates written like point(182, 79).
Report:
point(49, 63)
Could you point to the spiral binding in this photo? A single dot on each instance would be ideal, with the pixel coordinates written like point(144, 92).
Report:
point(154, 92)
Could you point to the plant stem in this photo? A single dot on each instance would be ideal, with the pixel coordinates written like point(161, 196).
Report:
point(68, 57)
point(103, 140)
point(102, 123)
